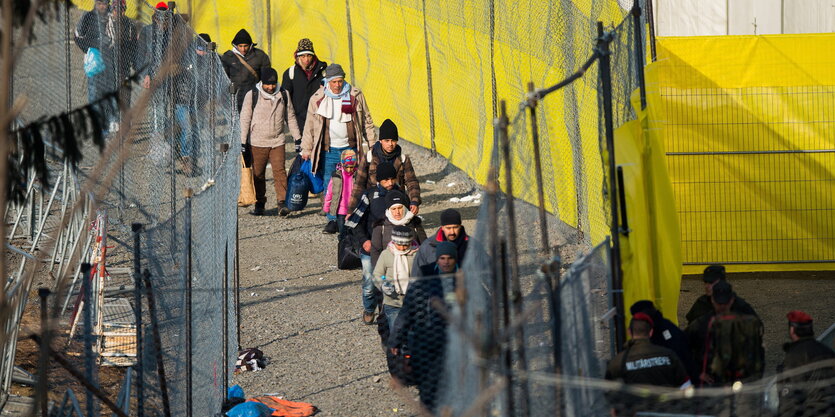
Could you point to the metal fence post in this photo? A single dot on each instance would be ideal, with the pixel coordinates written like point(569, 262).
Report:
point(152, 312)
point(516, 287)
point(43, 359)
point(537, 159)
point(137, 299)
point(89, 361)
point(429, 89)
point(226, 316)
point(603, 40)
point(187, 224)
point(639, 52)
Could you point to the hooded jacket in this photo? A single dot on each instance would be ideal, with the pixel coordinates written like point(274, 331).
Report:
point(242, 79)
point(264, 125)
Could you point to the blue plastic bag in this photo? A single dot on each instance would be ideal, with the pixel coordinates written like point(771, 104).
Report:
point(298, 185)
point(93, 63)
point(250, 409)
point(235, 391)
point(317, 182)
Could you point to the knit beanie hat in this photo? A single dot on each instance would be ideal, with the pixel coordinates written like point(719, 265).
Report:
point(242, 38)
point(446, 248)
point(334, 71)
point(395, 197)
point(388, 130)
point(402, 235)
point(305, 47)
point(269, 76)
point(385, 171)
point(450, 216)
point(205, 37)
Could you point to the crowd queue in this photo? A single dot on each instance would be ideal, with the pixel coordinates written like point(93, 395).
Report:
point(372, 195)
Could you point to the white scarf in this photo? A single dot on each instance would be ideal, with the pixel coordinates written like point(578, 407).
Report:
point(328, 106)
point(401, 266)
point(402, 222)
point(271, 96)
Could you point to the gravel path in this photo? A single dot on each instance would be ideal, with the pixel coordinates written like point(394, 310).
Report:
point(304, 313)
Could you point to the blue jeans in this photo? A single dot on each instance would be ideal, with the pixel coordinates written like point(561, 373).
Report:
point(182, 113)
point(97, 87)
point(332, 157)
point(370, 293)
point(391, 315)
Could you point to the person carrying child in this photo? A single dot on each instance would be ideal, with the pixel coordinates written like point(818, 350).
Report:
point(338, 194)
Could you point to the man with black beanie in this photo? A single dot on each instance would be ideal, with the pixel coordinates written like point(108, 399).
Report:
point(372, 207)
point(243, 64)
point(387, 150)
point(303, 79)
point(451, 231)
point(264, 114)
point(703, 306)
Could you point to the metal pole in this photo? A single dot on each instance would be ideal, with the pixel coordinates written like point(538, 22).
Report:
point(507, 350)
point(639, 53)
point(136, 228)
point(543, 219)
point(188, 194)
point(237, 282)
point(429, 81)
point(212, 105)
point(350, 40)
point(552, 282)
point(651, 20)
point(89, 362)
point(226, 316)
point(516, 288)
point(624, 221)
point(609, 130)
point(152, 311)
point(43, 359)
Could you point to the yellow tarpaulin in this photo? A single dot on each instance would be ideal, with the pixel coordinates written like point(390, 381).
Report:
point(749, 126)
point(650, 252)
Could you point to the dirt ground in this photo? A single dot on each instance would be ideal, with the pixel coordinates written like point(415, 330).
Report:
point(304, 313)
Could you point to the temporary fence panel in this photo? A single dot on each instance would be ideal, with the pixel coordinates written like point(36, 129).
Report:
point(749, 142)
point(185, 138)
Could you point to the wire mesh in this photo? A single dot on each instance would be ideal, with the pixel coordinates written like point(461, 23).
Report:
point(169, 123)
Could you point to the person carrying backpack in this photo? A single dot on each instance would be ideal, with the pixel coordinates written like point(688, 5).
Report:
point(339, 192)
point(386, 150)
point(303, 79)
point(264, 114)
point(727, 346)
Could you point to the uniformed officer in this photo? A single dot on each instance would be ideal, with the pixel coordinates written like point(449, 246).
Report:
point(704, 306)
point(666, 334)
point(799, 393)
point(645, 363)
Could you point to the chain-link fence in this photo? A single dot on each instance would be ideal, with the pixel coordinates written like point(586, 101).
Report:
point(157, 94)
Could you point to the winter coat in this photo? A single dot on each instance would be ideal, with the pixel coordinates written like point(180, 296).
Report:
point(314, 140)
point(804, 391)
point(301, 89)
point(91, 32)
point(340, 183)
point(385, 268)
point(371, 208)
point(241, 78)
point(426, 254)
point(703, 306)
point(367, 173)
point(264, 125)
point(381, 235)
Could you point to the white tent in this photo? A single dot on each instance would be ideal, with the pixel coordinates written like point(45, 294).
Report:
point(742, 17)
